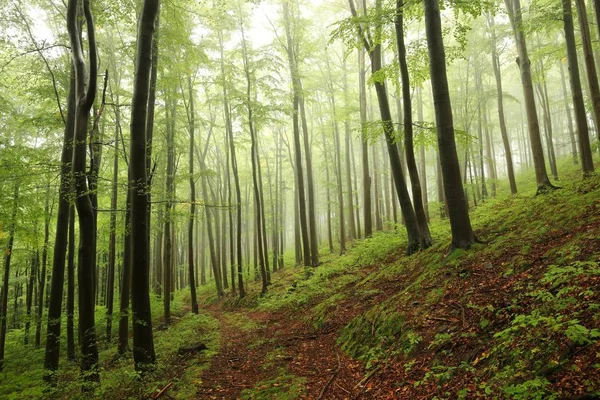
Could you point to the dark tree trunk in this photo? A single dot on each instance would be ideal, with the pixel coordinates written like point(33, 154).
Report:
point(7, 259)
point(408, 130)
point(85, 94)
point(51, 359)
point(588, 55)
point(192, 215)
point(460, 223)
point(587, 163)
point(71, 354)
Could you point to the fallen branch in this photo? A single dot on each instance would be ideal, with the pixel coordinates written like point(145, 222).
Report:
point(442, 319)
point(162, 391)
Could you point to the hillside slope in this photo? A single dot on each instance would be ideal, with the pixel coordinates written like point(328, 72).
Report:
point(516, 317)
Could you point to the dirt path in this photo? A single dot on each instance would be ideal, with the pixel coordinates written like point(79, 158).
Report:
point(278, 354)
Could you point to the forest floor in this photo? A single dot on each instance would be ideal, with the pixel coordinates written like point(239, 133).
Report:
point(517, 317)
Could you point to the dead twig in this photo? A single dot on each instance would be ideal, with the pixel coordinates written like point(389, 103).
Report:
point(331, 378)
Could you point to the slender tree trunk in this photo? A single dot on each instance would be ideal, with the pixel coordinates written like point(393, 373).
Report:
point(192, 215)
point(500, 102)
point(112, 246)
point(60, 240)
point(423, 170)
point(71, 354)
point(568, 112)
point(408, 131)
point(42, 283)
point(7, 259)
point(29, 301)
point(302, 214)
point(367, 212)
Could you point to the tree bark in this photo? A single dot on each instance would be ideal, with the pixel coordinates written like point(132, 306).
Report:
point(7, 259)
point(541, 176)
point(86, 214)
point(192, 215)
point(408, 130)
point(587, 163)
point(51, 359)
point(500, 102)
point(460, 223)
point(367, 212)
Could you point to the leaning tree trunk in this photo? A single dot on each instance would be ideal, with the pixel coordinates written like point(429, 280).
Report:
point(408, 130)
point(460, 223)
point(541, 175)
point(408, 212)
point(587, 163)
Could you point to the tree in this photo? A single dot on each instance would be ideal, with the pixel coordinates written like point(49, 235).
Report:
point(587, 163)
point(85, 94)
point(460, 222)
point(143, 344)
point(373, 48)
point(7, 259)
point(500, 102)
point(408, 129)
point(192, 215)
point(513, 8)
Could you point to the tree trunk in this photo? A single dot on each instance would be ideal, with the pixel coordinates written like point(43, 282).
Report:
point(408, 131)
point(86, 214)
point(588, 56)
point(71, 354)
point(7, 259)
point(587, 163)
point(500, 101)
point(51, 359)
point(367, 212)
point(514, 12)
point(568, 112)
point(192, 215)
point(460, 223)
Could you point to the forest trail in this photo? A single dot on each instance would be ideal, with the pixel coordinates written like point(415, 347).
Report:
point(266, 354)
